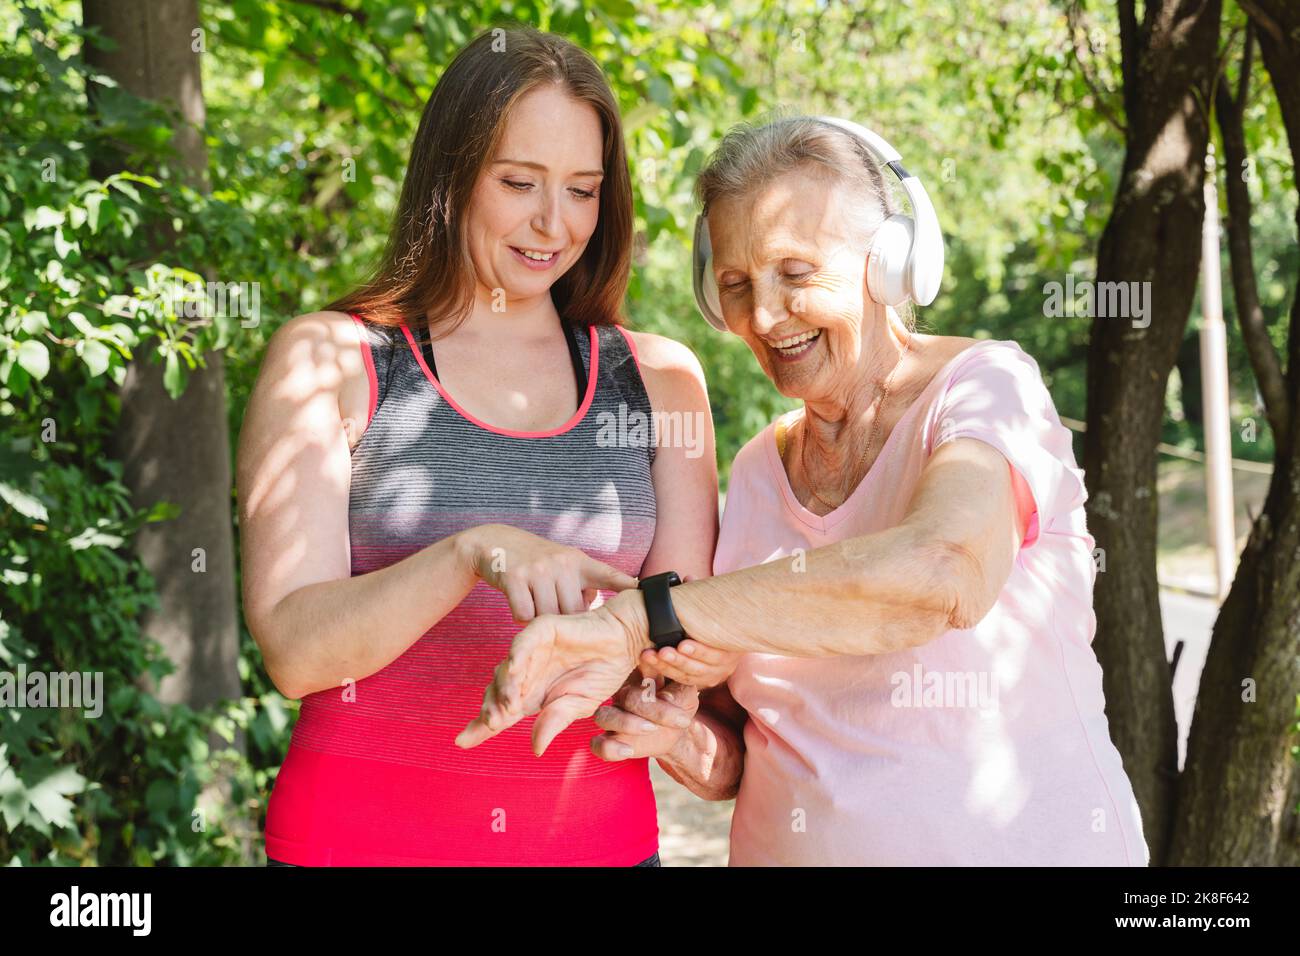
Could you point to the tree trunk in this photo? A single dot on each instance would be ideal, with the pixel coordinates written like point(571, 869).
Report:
point(1238, 795)
point(176, 450)
point(1153, 236)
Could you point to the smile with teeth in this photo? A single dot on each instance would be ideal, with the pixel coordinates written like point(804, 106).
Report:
point(534, 255)
point(797, 343)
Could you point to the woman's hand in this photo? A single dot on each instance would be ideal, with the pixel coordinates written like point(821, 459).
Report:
point(562, 667)
point(690, 663)
point(641, 722)
point(538, 576)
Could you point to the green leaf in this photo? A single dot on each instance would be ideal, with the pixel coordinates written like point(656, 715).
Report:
point(34, 357)
point(15, 377)
point(42, 217)
point(396, 22)
point(138, 178)
point(227, 328)
point(13, 796)
point(163, 511)
point(62, 247)
point(92, 538)
point(81, 324)
point(35, 323)
point(49, 798)
point(23, 503)
point(96, 355)
point(125, 188)
point(93, 202)
point(174, 376)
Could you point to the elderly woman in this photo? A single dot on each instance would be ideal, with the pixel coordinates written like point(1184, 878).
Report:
point(903, 581)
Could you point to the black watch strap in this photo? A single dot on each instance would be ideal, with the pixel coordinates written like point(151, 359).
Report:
point(665, 629)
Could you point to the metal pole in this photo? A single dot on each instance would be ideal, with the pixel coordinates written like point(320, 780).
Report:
point(1214, 392)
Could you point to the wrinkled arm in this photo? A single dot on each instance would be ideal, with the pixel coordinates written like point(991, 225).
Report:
point(942, 567)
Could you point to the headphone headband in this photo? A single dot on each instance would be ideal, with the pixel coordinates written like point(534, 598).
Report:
point(905, 261)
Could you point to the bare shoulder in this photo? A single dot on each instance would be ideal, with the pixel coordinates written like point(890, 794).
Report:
point(942, 349)
point(661, 353)
point(668, 367)
point(315, 350)
point(314, 360)
point(324, 333)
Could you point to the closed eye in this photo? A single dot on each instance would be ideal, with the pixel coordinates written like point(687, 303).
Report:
point(798, 270)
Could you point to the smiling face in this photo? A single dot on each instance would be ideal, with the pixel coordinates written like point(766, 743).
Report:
point(790, 263)
point(536, 204)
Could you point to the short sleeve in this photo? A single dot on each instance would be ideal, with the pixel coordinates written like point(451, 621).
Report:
point(996, 395)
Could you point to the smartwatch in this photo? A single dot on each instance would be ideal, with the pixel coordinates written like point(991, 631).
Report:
point(665, 629)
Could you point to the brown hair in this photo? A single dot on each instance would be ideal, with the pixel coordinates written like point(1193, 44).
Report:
point(426, 265)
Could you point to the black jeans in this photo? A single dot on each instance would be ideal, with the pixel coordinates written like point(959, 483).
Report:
point(652, 861)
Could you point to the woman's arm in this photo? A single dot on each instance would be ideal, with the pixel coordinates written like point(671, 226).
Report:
point(942, 567)
point(685, 475)
point(307, 614)
point(318, 626)
point(685, 470)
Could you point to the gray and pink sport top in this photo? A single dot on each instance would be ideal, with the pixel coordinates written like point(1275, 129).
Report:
point(372, 776)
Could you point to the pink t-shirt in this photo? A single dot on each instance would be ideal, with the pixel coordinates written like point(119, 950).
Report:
point(985, 746)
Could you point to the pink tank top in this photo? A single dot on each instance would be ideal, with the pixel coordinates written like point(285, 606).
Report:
point(373, 776)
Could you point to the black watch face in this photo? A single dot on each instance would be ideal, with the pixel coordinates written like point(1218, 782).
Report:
point(670, 577)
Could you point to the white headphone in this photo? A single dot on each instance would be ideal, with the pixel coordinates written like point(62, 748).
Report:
point(905, 260)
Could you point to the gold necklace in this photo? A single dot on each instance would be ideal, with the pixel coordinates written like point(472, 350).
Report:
point(882, 394)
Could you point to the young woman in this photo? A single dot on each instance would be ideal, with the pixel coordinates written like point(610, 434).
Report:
point(437, 458)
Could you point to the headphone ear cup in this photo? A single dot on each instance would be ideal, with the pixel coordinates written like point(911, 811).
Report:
point(887, 266)
point(702, 280)
point(711, 295)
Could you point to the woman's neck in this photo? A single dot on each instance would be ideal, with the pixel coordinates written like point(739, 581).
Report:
point(836, 428)
point(498, 319)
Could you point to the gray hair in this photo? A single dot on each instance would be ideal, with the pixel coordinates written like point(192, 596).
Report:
point(750, 156)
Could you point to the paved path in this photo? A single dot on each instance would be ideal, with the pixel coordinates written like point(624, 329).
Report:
point(1189, 619)
point(692, 832)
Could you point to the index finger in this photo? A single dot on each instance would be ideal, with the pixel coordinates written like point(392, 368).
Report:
point(598, 574)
